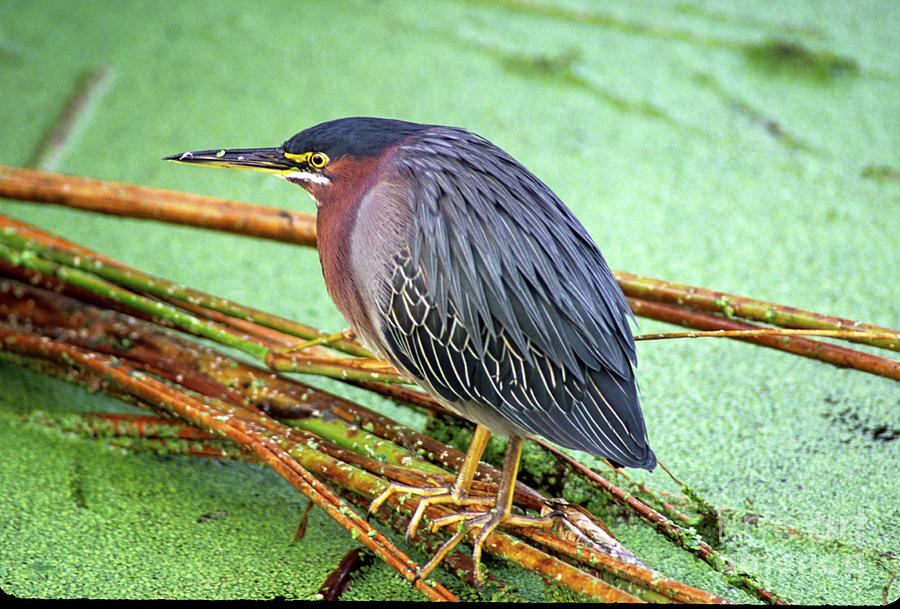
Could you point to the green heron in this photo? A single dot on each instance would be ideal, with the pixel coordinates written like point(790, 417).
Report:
point(471, 277)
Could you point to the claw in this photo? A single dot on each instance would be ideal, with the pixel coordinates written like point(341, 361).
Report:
point(481, 522)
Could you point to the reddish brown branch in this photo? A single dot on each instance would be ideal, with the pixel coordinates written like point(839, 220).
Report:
point(271, 441)
point(227, 422)
point(694, 307)
point(120, 199)
point(822, 351)
point(647, 289)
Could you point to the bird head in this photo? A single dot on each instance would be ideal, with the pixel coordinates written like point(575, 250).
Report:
point(320, 158)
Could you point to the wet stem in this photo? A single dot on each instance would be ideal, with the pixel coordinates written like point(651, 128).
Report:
point(76, 314)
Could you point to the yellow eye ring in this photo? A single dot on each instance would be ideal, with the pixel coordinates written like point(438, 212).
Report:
point(318, 160)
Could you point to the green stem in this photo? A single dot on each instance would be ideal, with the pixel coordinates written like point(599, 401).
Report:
point(30, 259)
point(363, 443)
point(733, 306)
point(163, 288)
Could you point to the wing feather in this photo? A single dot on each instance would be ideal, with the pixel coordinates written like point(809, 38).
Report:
point(502, 299)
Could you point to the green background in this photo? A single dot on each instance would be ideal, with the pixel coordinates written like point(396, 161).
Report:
point(689, 150)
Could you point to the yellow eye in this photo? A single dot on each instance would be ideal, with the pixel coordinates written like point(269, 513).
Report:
point(318, 160)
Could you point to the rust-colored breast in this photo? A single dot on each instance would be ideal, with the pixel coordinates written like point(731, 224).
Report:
point(357, 233)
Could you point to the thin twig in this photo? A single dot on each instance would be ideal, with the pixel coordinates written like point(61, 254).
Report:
point(845, 334)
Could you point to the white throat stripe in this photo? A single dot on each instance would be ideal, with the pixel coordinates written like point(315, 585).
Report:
point(306, 176)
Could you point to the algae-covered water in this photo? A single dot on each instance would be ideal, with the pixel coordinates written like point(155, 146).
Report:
point(746, 147)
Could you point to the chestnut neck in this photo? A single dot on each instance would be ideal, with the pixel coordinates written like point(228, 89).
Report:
point(335, 223)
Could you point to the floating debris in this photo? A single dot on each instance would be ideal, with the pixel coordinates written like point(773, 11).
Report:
point(87, 94)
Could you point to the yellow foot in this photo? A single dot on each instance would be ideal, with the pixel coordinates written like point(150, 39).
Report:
point(428, 495)
point(489, 512)
point(482, 522)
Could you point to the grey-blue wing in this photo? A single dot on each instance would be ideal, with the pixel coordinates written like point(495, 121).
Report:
point(504, 300)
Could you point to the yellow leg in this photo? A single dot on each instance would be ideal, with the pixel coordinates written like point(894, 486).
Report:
point(484, 522)
point(495, 510)
point(470, 464)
